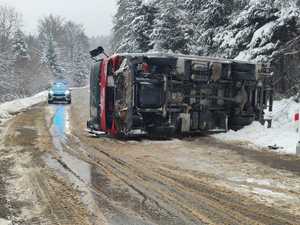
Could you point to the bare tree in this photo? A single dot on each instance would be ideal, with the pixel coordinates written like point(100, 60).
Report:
point(10, 22)
point(51, 27)
point(64, 48)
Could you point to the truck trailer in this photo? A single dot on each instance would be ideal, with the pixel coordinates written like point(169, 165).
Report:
point(171, 94)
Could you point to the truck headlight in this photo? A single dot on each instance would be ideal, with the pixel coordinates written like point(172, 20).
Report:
point(67, 92)
point(51, 92)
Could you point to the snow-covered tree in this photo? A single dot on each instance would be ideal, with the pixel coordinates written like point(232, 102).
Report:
point(142, 27)
point(51, 31)
point(10, 22)
point(133, 26)
point(125, 19)
point(20, 47)
point(28, 63)
point(51, 26)
point(76, 58)
point(202, 19)
point(81, 69)
point(65, 49)
point(258, 30)
point(50, 57)
point(169, 30)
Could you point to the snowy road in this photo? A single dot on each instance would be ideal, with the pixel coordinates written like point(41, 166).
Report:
point(52, 172)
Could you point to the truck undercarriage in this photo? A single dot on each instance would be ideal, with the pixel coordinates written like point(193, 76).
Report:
point(160, 94)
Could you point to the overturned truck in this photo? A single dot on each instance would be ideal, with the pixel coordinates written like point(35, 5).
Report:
point(163, 94)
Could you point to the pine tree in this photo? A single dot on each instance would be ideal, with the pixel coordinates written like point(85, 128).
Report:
point(20, 48)
point(80, 69)
point(169, 31)
point(257, 29)
point(75, 52)
point(65, 49)
point(81, 60)
point(50, 58)
point(124, 36)
point(223, 28)
point(142, 27)
point(204, 17)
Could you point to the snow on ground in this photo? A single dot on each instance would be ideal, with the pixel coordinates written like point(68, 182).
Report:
point(283, 133)
point(4, 222)
point(8, 109)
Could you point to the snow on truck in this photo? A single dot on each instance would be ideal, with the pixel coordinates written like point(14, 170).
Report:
point(168, 94)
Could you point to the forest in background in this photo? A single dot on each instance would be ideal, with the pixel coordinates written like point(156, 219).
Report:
point(243, 29)
point(30, 63)
point(255, 30)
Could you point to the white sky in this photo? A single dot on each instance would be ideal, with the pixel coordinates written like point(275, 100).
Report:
point(95, 15)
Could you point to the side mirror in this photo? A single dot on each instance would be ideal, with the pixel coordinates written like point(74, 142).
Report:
point(98, 51)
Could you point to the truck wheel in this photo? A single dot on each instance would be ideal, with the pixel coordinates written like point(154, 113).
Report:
point(243, 71)
point(238, 75)
point(236, 127)
point(161, 132)
point(238, 122)
point(243, 67)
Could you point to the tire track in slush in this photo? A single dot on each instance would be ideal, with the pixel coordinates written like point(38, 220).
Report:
point(112, 170)
point(213, 204)
point(108, 170)
point(172, 196)
point(210, 209)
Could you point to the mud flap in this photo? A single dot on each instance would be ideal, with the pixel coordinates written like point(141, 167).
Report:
point(185, 119)
point(96, 133)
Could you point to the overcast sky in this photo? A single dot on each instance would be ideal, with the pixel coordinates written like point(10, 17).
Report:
point(95, 15)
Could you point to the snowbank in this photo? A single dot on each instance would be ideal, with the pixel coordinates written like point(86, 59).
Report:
point(5, 222)
point(8, 109)
point(283, 135)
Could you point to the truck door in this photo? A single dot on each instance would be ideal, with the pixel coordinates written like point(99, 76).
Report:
point(94, 122)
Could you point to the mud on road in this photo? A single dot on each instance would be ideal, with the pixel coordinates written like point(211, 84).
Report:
point(30, 192)
point(53, 172)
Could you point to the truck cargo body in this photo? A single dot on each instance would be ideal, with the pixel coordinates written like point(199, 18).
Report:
point(161, 94)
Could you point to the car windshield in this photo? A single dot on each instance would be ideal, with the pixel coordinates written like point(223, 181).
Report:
point(59, 87)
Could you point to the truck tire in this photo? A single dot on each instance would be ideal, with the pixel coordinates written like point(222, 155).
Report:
point(243, 71)
point(161, 132)
point(241, 76)
point(238, 122)
point(243, 67)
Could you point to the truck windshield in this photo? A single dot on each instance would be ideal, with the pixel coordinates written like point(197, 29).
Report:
point(150, 95)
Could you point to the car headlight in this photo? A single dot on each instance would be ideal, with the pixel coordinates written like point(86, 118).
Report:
point(67, 92)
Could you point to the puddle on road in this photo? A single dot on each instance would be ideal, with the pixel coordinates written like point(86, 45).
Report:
point(61, 121)
point(76, 171)
point(59, 131)
point(84, 177)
